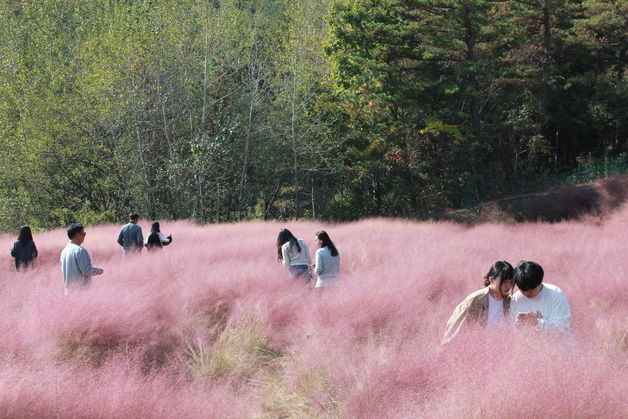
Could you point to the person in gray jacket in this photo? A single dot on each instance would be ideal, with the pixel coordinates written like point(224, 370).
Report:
point(130, 237)
point(327, 265)
point(487, 308)
point(76, 264)
point(294, 254)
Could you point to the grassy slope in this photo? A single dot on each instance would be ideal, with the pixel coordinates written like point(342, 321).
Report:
point(566, 202)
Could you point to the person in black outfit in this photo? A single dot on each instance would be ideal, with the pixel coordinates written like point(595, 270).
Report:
point(155, 239)
point(24, 250)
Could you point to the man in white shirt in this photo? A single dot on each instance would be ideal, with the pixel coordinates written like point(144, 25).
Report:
point(76, 265)
point(538, 305)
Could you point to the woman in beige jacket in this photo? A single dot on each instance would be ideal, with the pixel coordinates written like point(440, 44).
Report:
point(487, 307)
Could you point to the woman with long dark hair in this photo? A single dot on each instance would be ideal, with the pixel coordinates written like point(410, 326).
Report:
point(327, 265)
point(155, 239)
point(487, 307)
point(294, 254)
point(24, 250)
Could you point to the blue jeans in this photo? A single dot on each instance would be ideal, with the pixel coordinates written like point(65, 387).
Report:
point(299, 272)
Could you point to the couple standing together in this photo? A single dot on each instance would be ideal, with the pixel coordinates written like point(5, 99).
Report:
point(535, 305)
point(294, 254)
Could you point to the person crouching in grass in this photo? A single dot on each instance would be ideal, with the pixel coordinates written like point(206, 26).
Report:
point(538, 305)
point(487, 307)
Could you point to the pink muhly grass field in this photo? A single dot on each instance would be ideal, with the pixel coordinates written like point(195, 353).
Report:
point(212, 327)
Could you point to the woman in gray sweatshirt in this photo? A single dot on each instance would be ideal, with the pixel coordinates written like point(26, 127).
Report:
point(294, 254)
point(327, 261)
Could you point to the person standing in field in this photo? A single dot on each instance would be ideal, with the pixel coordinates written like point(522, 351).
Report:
point(24, 250)
point(487, 307)
point(327, 266)
point(538, 305)
point(130, 237)
point(294, 254)
point(76, 265)
point(155, 239)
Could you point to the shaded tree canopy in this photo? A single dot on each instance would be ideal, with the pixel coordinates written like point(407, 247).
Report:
point(223, 110)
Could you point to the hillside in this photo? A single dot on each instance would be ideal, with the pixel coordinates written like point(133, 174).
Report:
point(565, 202)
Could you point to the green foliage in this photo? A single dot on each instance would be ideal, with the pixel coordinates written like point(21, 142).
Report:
point(227, 110)
point(405, 70)
point(507, 76)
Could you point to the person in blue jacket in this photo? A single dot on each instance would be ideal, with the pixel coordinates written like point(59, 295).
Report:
point(130, 237)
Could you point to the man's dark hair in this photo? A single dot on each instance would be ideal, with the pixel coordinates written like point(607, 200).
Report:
point(528, 275)
point(74, 229)
point(134, 216)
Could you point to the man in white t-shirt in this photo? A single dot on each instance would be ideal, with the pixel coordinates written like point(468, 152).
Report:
point(76, 265)
point(538, 305)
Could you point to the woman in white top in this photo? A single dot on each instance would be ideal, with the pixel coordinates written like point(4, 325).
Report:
point(487, 307)
point(327, 261)
point(294, 254)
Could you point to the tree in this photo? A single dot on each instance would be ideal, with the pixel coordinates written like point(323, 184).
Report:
point(415, 65)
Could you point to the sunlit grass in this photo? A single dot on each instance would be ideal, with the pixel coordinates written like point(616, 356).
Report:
point(212, 327)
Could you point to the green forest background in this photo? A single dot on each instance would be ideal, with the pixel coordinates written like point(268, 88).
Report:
point(225, 110)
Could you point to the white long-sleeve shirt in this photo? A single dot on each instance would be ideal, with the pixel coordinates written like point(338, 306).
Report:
point(550, 305)
point(76, 266)
point(162, 238)
point(327, 267)
point(291, 257)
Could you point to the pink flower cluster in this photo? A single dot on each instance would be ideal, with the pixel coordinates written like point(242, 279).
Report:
point(212, 327)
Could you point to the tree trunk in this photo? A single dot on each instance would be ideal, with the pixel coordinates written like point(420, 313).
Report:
point(147, 192)
point(545, 70)
point(295, 157)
